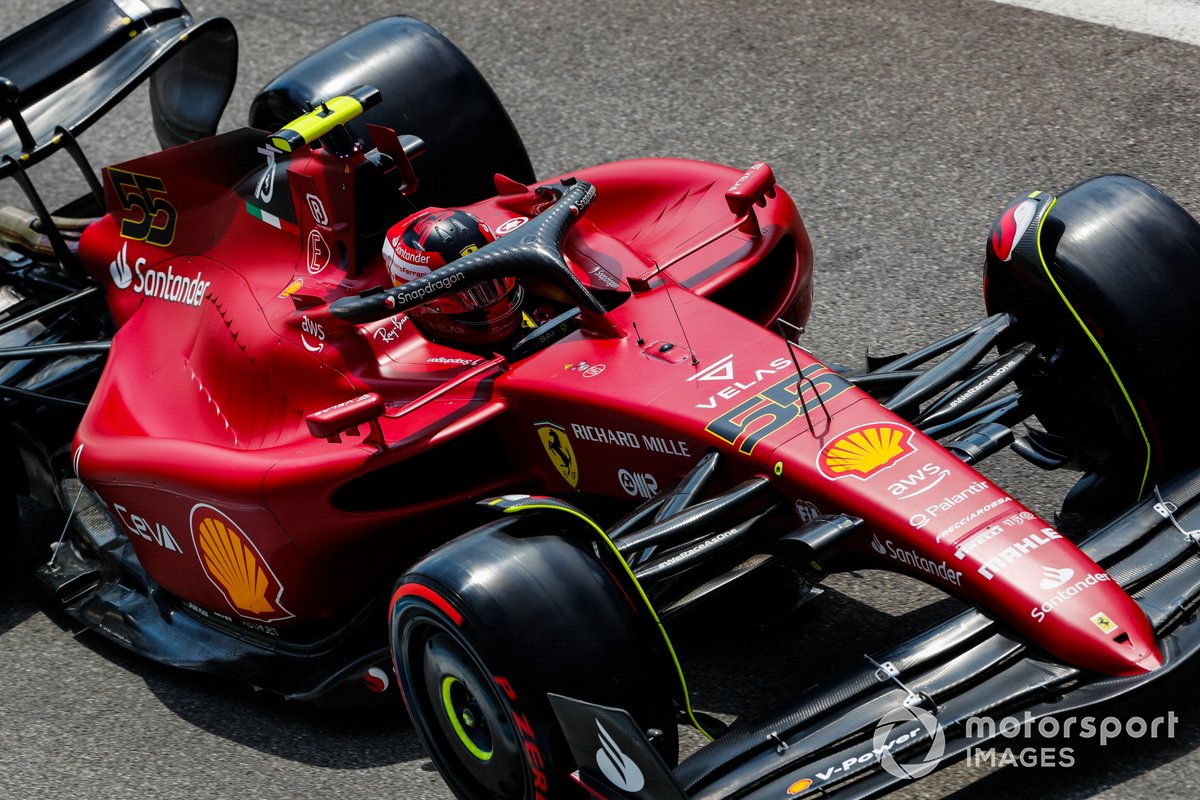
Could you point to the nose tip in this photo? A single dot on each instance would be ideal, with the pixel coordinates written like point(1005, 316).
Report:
point(1137, 657)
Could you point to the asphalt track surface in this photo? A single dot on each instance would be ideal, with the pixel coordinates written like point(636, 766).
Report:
point(901, 127)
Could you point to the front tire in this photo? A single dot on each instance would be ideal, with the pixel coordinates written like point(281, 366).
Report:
point(486, 626)
point(1110, 296)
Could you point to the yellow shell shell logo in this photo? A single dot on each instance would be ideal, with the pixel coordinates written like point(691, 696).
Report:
point(799, 786)
point(236, 568)
point(865, 450)
point(292, 288)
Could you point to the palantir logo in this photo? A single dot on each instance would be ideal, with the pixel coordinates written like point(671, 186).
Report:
point(888, 733)
point(616, 766)
point(119, 268)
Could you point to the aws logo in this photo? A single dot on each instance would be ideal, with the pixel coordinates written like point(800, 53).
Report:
point(866, 450)
point(918, 482)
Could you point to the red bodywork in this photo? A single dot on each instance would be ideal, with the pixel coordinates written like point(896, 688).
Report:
point(200, 441)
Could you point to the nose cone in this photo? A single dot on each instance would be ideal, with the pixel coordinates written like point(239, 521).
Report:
point(1117, 641)
point(1061, 600)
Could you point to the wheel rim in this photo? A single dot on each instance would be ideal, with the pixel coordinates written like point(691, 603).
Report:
point(466, 717)
point(466, 722)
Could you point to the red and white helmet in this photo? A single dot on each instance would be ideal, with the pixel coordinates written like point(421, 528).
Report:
point(483, 314)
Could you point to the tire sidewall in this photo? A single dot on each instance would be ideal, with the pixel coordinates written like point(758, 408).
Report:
point(530, 719)
point(555, 620)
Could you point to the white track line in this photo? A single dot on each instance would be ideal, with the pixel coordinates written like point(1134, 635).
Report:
point(1171, 19)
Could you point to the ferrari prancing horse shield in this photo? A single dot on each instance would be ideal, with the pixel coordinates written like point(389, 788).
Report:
point(558, 447)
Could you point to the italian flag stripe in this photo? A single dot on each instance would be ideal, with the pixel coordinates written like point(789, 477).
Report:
point(270, 219)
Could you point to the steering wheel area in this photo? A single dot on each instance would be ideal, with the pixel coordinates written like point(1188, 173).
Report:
point(534, 250)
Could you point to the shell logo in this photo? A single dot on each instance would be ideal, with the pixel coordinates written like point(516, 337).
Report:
point(865, 450)
point(235, 566)
point(292, 288)
point(799, 786)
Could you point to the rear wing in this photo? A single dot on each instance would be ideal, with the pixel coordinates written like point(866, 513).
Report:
point(61, 73)
point(68, 68)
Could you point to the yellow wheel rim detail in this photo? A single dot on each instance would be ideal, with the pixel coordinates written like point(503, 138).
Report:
point(448, 683)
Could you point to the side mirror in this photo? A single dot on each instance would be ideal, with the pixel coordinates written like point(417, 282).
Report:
point(344, 418)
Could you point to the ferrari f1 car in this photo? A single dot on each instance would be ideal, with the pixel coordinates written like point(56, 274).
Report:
point(348, 405)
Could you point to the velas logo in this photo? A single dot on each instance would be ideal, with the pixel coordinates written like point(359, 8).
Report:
point(865, 451)
point(236, 567)
point(1011, 226)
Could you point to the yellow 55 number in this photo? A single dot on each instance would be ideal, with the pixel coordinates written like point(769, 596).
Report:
point(147, 194)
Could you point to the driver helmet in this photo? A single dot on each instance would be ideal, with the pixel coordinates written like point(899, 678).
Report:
point(483, 314)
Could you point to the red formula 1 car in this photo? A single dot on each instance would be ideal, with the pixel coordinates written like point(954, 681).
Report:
point(349, 406)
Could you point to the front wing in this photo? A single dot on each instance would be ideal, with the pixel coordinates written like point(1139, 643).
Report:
point(859, 734)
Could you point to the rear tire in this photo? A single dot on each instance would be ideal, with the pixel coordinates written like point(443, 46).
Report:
point(486, 626)
point(429, 89)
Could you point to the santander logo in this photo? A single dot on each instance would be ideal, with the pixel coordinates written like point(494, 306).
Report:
point(1053, 578)
point(619, 768)
point(120, 270)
